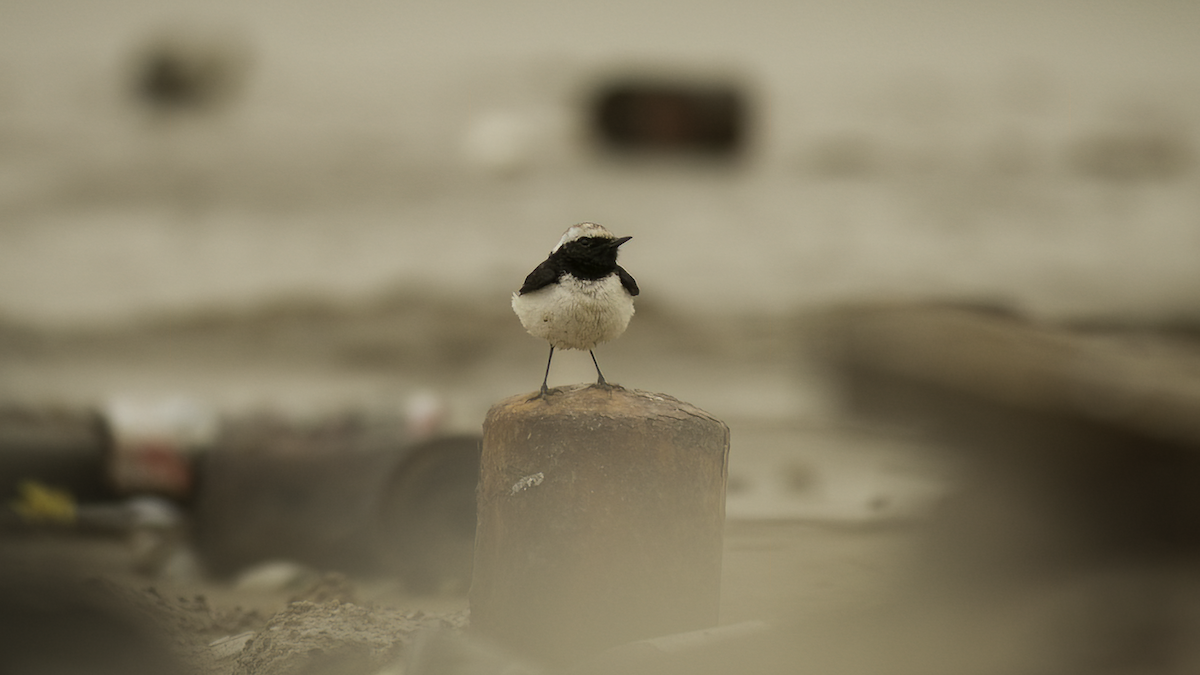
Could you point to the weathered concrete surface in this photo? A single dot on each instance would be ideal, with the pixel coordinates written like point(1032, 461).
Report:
point(601, 515)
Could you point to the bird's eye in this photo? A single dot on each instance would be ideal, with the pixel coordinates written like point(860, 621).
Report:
point(588, 241)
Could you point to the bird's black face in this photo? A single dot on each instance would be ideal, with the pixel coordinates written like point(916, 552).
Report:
point(590, 257)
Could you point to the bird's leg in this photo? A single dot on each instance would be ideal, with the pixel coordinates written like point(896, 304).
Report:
point(600, 381)
point(546, 390)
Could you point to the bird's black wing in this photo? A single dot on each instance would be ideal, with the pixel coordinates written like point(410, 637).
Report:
point(627, 281)
point(542, 276)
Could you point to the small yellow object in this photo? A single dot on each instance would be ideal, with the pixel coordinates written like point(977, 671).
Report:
point(39, 503)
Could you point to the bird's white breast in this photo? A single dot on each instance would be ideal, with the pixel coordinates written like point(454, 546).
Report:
point(576, 313)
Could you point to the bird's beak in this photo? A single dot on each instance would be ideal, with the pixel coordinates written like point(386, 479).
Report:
point(617, 242)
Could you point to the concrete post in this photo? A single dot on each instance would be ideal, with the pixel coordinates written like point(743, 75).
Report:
point(600, 519)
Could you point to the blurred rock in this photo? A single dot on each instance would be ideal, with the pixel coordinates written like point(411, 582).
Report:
point(53, 622)
point(1070, 539)
point(347, 493)
point(274, 576)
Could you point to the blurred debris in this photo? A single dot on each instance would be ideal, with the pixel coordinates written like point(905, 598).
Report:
point(331, 637)
point(274, 576)
point(426, 515)
point(671, 116)
point(58, 619)
point(347, 493)
point(159, 539)
point(425, 415)
point(228, 647)
point(1076, 509)
point(997, 358)
point(39, 504)
point(190, 69)
point(154, 443)
point(60, 449)
point(298, 582)
point(378, 493)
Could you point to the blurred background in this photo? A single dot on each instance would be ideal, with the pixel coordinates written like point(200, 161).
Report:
point(163, 157)
point(225, 218)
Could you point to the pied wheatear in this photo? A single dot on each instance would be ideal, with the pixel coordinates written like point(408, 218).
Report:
point(579, 297)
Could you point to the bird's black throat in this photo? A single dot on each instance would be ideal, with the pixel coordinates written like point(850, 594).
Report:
point(587, 258)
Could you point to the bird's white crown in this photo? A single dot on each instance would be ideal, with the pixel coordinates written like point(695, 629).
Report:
point(583, 230)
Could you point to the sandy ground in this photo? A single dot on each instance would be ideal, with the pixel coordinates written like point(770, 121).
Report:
point(781, 571)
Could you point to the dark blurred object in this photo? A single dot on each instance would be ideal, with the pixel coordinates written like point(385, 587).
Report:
point(54, 622)
point(92, 457)
point(1132, 155)
point(190, 70)
point(1132, 381)
point(1078, 508)
point(427, 514)
point(349, 494)
point(64, 449)
point(671, 117)
point(352, 492)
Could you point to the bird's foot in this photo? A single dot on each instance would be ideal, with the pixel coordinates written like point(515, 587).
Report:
point(606, 385)
point(542, 395)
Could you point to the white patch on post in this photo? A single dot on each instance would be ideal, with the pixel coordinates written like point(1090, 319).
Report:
point(527, 482)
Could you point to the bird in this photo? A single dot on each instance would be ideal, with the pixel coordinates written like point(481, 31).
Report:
point(578, 297)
